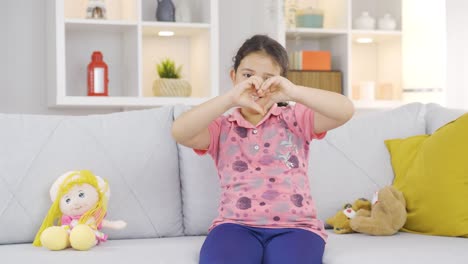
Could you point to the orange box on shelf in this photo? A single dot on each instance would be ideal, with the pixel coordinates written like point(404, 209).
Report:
point(316, 60)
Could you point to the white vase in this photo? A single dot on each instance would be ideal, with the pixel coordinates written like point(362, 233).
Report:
point(387, 22)
point(182, 11)
point(365, 22)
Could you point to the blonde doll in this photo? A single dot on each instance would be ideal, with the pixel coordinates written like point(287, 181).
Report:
point(77, 213)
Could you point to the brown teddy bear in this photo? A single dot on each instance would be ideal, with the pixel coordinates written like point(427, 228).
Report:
point(341, 220)
point(386, 216)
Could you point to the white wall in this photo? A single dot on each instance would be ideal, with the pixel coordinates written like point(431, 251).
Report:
point(239, 20)
point(424, 50)
point(457, 54)
point(23, 60)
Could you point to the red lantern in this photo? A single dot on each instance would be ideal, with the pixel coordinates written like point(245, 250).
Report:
point(97, 76)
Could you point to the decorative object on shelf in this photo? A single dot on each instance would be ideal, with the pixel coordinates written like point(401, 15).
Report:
point(170, 83)
point(311, 60)
point(367, 91)
point(385, 91)
point(309, 17)
point(365, 21)
point(387, 22)
point(182, 12)
point(325, 80)
point(165, 11)
point(97, 76)
point(290, 9)
point(96, 9)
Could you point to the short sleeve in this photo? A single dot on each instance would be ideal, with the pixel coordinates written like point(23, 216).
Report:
point(304, 117)
point(215, 130)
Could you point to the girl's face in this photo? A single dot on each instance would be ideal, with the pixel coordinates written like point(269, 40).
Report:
point(256, 64)
point(79, 200)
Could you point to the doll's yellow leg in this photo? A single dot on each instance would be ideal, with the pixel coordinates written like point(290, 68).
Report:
point(55, 238)
point(82, 237)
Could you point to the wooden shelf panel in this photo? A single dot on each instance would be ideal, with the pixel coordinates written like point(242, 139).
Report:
point(179, 29)
point(99, 25)
point(313, 33)
point(378, 36)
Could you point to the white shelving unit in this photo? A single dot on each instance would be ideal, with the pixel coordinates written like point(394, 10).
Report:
point(379, 62)
point(131, 47)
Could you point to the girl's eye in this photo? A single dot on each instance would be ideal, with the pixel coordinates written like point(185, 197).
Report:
point(81, 195)
point(68, 200)
point(247, 75)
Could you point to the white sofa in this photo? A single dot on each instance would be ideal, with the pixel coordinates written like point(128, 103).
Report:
point(168, 195)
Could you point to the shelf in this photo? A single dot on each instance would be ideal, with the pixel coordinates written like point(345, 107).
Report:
point(189, 47)
point(179, 29)
point(378, 36)
point(313, 33)
point(112, 102)
point(98, 25)
point(128, 39)
point(99, 22)
point(378, 9)
point(115, 10)
point(118, 44)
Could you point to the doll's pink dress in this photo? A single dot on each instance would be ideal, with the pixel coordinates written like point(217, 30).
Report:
point(72, 221)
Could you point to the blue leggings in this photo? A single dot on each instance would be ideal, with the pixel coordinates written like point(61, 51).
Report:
point(238, 244)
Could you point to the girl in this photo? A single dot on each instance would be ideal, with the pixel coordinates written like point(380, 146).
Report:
point(266, 214)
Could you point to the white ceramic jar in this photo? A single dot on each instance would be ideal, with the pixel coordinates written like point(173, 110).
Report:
point(365, 22)
point(387, 22)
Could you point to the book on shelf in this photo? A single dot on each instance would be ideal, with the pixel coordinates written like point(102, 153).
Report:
point(310, 60)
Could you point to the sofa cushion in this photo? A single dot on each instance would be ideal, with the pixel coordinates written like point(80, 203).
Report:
point(200, 188)
point(437, 116)
point(432, 173)
point(173, 250)
point(352, 160)
point(404, 248)
point(133, 150)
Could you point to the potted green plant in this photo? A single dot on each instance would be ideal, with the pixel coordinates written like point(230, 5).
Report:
point(170, 83)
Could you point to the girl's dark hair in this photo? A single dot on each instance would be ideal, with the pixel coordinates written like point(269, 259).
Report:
point(263, 43)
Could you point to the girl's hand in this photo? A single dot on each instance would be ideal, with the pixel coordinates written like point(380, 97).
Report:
point(245, 94)
point(278, 89)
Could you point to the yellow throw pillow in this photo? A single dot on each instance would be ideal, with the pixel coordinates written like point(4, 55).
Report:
point(432, 173)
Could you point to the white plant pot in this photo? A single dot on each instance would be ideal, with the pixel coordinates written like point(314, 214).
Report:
point(171, 87)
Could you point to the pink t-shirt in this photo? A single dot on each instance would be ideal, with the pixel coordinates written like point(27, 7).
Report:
point(263, 169)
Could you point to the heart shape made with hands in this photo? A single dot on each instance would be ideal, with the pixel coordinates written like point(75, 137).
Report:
point(257, 98)
point(261, 92)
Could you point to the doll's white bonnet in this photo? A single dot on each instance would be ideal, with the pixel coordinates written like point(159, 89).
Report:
point(55, 186)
